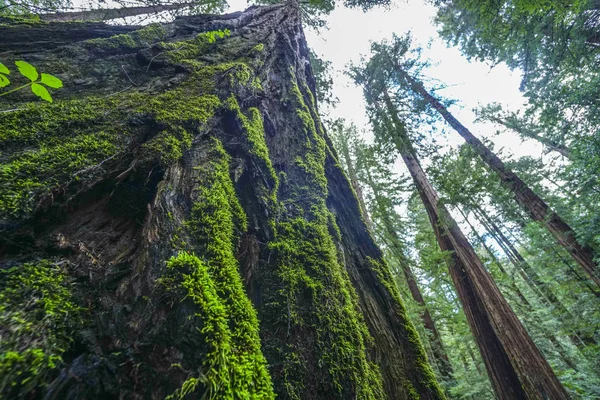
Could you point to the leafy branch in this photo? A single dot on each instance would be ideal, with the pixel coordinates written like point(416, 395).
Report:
point(36, 80)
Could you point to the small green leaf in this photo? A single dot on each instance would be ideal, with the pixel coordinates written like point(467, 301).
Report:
point(51, 81)
point(41, 91)
point(27, 70)
point(4, 81)
point(3, 69)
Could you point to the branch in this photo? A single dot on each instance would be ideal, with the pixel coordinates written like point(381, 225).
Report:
point(111, 13)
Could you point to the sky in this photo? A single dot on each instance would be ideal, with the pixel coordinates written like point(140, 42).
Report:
point(349, 34)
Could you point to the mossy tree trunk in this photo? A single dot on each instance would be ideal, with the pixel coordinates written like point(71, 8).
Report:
point(177, 224)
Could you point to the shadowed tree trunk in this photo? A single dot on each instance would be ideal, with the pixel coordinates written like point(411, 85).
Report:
point(535, 206)
point(176, 224)
point(516, 367)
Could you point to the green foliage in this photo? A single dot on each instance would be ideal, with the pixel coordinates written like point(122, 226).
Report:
point(553, 43)
point(38, 318)
point(27, 70)
point(4, 81)
point(36, 83)
point(543, 290)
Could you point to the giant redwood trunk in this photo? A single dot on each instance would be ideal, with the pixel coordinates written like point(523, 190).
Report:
point(176, 224)
point(515, 366)
point(527, 198)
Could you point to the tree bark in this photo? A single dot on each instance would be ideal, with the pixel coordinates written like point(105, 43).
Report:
point(536, 207)
point(38, 38)
point(176, 224)
point(559, 348)
point(514, 364)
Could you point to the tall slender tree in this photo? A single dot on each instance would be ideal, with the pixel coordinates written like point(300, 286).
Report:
point(398, 65)
point(516, 367)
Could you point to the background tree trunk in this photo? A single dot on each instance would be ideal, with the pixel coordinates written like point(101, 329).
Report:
point(111, 13)
point(515, 366)
point(535, 206)
point(180, 190)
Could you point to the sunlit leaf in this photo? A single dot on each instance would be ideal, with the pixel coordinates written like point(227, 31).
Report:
point(27, 70)
point(3, 69)
point(41, 91)
point(51, 81)
point(4, 81)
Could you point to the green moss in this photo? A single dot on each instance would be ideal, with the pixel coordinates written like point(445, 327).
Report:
point(188, 272)
point(150, 33)
point(50, 123)
point(37, 320)
point(169, 145)
point(256, 84)
point(259, 48)
point(141, 38)
point(50, 144)
point(217, 210)
point(215, 222)
point(255, 134)
point(177, 52)
point(23, 19)
point(40, 171)
point(312, 160)
point(180, 107)
point(316, 290)
point(310, 291)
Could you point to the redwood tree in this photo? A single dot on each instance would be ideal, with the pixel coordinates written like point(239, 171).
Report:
point(516, 367)
point(524, 195)
point(176, 224)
